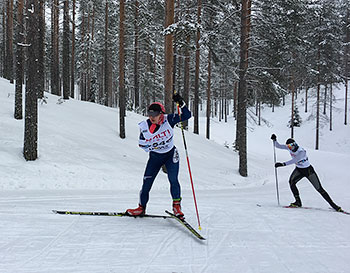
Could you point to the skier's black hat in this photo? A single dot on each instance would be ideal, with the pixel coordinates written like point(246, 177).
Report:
point(155, 109)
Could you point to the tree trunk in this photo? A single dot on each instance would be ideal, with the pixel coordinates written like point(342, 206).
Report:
point(346, 60)
point(225, 96)
point(196, 77)
point(3, 44)
point(107, 64)
point(31, 99)
point(18, 114)
point(175, 49)
point(220, 100)
point(72, 66)
point(209, 94)
point(169, 57)
point(306, 98)
point(293, 106)
point(209, 76)
point(318, 114)
point(242, 89)
point(41, 48)
point(9, 42)
point(259, 113)
point(186, 93)
point(318, 90)
point(90, 37)
point(154, 72)
point(65, 52)
point(136, 58)
point(55, 69)
point(235, 100)
point(331, 108)
point(325, 99)
point(121, 71)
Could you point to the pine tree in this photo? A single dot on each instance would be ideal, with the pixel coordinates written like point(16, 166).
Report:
point(20, 43)
point(121, 71)
point(41, 48)
point(296, 119)
point(30, 147)
point(72, 68)
point(196, 77)
point(169, 56)
point(55, 71)
point(242, 89)
point(65, 51)
point(136, 57)
point(9, 65)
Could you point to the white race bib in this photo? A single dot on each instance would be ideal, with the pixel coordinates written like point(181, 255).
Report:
point(161, 141)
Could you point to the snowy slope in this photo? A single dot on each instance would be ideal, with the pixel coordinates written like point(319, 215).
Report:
point(84, 165)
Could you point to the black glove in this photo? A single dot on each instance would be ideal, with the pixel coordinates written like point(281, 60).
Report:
point(279, 164)
point(273, 137)
point(178, 99)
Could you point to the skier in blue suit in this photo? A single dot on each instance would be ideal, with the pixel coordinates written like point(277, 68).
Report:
point(157, 138)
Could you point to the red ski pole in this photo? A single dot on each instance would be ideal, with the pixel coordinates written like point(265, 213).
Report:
point(189, 167)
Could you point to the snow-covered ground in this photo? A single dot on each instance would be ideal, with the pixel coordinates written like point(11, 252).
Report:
point(84, 165)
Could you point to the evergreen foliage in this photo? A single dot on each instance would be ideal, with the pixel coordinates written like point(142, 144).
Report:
point(296, 119)
point(293, 45)
point(285, 38)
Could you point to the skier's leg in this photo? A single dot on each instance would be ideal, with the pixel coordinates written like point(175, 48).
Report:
point(293, 180)
point(153, 166)
point(315, 181)
point(172, 166)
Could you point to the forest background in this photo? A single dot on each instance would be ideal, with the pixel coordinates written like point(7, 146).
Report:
point(127, 54)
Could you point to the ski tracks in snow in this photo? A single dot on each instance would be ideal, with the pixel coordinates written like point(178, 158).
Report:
point(51, 243)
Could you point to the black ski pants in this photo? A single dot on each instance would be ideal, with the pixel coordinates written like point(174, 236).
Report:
point(311, 175)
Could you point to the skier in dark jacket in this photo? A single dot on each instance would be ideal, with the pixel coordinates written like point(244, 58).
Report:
point(303, 169)
point(157, 138)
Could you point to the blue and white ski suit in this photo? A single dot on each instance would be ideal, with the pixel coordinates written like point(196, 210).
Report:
point(162, 151)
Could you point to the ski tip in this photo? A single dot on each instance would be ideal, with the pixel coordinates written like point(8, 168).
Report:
point(54, 211)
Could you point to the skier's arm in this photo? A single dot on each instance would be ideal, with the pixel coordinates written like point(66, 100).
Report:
point(175, 118)
point(299, 156)
point(143, 143)
point(280, 146)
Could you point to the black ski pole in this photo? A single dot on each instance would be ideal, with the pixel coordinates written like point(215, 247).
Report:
point(274, 158)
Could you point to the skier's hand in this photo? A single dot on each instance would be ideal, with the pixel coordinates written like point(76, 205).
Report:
point(280, 164)
point(179, 100)
point(273, 137)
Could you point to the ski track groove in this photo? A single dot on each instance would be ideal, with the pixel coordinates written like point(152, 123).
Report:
point(166, 241)
point(51, 243)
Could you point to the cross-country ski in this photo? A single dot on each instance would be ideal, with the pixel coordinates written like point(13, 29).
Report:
point(105, 213)
point(313, 208)
point(183, 222)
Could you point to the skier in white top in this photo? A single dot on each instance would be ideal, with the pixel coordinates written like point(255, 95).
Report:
point(303, 169)
point(157, 138)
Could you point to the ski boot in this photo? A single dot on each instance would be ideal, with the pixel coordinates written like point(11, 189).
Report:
point(297, 203)
point(136, 212)
point(177, 209)
point(337, 208)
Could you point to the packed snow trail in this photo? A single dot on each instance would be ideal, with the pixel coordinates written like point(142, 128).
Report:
point(245, 238)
